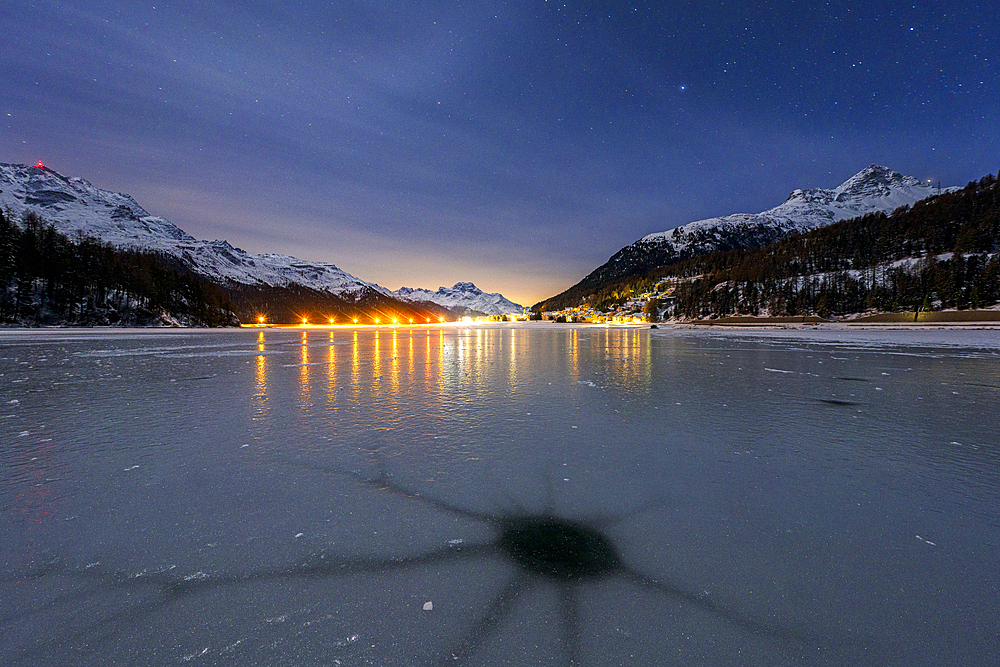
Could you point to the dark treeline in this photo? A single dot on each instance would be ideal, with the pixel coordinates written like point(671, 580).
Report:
point(49, 278)
point(939, 253)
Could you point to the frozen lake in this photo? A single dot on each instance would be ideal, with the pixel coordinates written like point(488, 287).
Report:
point(506, 494)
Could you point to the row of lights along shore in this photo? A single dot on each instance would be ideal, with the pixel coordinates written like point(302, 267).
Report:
point(262, 321)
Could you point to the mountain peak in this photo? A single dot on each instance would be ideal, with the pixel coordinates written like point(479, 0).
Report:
point(875, 170)
point(875, 181)
point(462, 287)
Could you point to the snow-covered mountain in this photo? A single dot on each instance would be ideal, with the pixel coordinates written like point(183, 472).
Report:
point(73, 205)
point(462, 298)
point(871, 190)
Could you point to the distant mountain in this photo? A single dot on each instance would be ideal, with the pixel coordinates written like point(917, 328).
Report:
point(462, 298)
point(283, 287)
point(873, 189)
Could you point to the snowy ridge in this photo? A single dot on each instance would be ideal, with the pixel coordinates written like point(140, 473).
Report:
point(872, 189)
point(74, 205)
point(462, 297)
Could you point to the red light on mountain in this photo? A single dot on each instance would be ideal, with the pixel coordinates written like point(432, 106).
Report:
point(40, 165)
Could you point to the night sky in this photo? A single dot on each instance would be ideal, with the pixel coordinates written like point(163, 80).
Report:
point(513, 144)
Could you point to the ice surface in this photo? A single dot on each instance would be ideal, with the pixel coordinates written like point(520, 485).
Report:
point(302, 496)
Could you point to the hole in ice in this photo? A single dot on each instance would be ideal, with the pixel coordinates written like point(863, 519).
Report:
point(557, 548)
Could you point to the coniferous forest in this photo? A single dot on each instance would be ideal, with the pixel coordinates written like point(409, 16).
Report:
point(48, 278)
